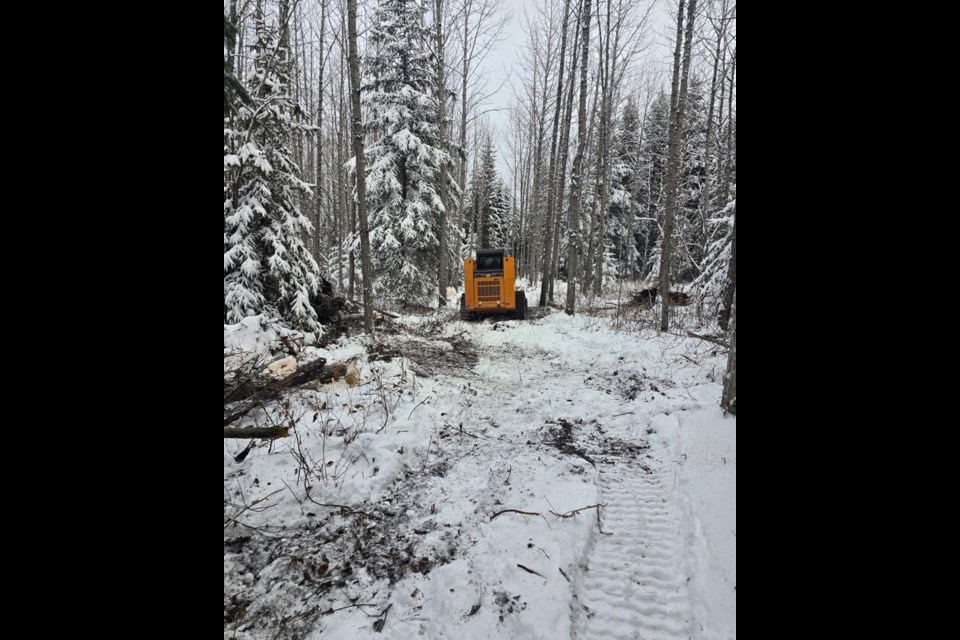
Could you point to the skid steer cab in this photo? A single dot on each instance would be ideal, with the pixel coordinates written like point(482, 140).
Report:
point(488, 285)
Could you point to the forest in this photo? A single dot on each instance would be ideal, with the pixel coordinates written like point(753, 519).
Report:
point(401, 461)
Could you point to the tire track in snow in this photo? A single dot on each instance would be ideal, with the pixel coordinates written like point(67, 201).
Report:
point(634, 582)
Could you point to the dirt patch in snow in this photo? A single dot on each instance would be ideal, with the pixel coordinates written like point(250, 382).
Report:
point(589, 441)
point(638, 385)
point(508, 605)
point(428, 351)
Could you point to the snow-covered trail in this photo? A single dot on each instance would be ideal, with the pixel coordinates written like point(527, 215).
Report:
point(548, 415)
point(634, 579)
point(632, 583)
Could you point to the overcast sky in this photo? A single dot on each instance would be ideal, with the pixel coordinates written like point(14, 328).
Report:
point(503, 63)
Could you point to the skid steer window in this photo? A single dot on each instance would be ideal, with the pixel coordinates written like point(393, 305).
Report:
point(489, 263)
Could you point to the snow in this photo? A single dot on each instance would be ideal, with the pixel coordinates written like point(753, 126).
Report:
point(547, 415)
point(708, 471)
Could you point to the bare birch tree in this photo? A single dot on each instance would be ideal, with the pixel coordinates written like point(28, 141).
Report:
point(360, 169)
point(678, 96)
point(577, 178)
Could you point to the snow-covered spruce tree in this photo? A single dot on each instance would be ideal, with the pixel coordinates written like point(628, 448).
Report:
point(404, 161)
point(267, 269)
point(692, 231)
point(691, 235)
point(711, 284)
point(653, 163)
point(490, 202)
point(499, 215)
point(621, 222)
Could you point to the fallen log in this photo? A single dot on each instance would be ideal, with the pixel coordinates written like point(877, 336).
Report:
point(725, 345)
point(359, 316)
point(388, 313)
point(680, 299)
point(648, 296)
point(282, 366)
point(255, 393)
point(256, 432)
point(317, 370)
point(645, 296)
point(357, 311)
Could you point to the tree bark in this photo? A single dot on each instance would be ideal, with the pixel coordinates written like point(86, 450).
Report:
point(730, 290)
point(360, 170)
point(577, 178)
point(729, 399)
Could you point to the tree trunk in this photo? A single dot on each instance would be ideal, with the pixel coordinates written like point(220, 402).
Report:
point(731, 149)
point(708, 161)
point(631, 240)
point(577, 178)
point(729, 399)
point(606, 120)
point(730, 290)
point(587, 267)
point(343, 215)
point(349, 208)
point(360, 170)
point(463, 108)
point(552, 175)
point(232, 37)
point(241, 61)
point(677, 100)
point(320, 176)
point(562, 165)
point(283, 20)
point(442, 131)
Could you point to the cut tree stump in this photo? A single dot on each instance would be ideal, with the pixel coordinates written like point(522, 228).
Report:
point(351, 376)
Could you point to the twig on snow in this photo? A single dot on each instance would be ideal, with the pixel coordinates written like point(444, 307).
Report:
point(378, 624)
point(570, 514)
point(233, 519)
point(529, 570)
point(349, 606)
point(526, 513)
